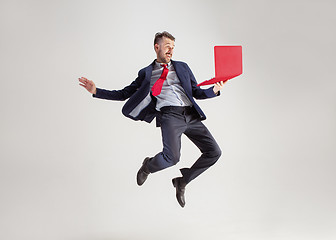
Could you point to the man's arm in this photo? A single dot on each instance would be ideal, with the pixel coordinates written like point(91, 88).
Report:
point(120, 95)
point(200, 93)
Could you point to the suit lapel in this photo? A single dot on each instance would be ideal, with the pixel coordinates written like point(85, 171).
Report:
point(181, 74)
point(148, 72)
point(178, 71)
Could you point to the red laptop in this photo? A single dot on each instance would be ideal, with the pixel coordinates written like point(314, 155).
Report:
point(228, 64)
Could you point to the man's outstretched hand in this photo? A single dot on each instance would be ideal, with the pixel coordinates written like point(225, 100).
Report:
point(218, 86)
point(88, 85)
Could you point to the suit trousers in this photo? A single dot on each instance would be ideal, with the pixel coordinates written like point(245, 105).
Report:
point(176, 121)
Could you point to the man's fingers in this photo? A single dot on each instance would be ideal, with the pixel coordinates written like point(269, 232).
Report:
point(82, 81)
point(221, 83)
point(86, 81)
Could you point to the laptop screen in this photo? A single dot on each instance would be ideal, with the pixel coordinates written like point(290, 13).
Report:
point(228, 61)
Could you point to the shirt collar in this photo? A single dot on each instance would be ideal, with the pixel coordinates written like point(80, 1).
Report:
point(159, 64)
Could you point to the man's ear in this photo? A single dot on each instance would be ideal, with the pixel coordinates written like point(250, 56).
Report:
point(156, 47)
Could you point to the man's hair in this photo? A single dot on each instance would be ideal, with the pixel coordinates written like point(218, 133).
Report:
point(160, 35)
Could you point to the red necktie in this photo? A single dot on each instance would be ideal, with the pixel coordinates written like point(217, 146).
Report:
point(157, 87)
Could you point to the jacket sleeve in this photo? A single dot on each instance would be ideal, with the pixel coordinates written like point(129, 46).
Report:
point(198, 92)
point(123, 94)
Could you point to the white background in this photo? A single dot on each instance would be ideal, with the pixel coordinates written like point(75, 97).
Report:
point(69, 161)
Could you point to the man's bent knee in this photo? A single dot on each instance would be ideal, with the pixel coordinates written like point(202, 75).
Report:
point(171, 159)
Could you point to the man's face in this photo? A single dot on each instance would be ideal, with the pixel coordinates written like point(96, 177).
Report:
point(164, 50)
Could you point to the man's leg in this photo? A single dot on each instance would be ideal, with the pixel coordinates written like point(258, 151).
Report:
point(211, 152)
point(172, 126)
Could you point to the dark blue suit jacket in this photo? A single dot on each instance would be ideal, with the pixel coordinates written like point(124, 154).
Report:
point(141, 104)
